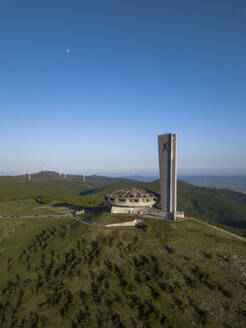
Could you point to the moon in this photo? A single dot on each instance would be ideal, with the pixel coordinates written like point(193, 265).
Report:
point(67, 50)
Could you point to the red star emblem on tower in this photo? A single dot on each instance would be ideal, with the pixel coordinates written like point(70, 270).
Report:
point(165, 144)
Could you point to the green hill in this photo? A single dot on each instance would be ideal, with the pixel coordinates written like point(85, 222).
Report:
point(24, 190)
point(19, 187)
point(57, 273)
point(215, 205)
point(219, 206)
point(63, 273)
point(103, 179)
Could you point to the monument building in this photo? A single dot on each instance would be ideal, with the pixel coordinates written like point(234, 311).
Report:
point(131, 200)
point(141, 201)
point(167, 146)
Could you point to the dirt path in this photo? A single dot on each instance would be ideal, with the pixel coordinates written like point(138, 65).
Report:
point(85, 221)
point(219, 229)
point(105, 226)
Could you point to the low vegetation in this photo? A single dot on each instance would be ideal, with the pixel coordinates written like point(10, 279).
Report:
point(63, 273)
point(58, 273)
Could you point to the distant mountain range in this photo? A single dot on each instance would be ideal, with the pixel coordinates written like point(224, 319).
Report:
point(142, 178)
point(232, 182)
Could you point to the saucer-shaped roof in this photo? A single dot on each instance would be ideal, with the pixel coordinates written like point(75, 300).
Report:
point(128, 193)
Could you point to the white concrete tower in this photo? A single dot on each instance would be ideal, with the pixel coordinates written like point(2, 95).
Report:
point(167, 145)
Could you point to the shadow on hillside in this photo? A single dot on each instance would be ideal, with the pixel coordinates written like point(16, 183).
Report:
point(96, 209)
point(87, 192)
point(238, 225)
point(92, 210)
point(235, 224)
point(65, 204)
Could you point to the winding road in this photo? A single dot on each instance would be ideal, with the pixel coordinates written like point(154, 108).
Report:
point(99, 225)
point(68, 216)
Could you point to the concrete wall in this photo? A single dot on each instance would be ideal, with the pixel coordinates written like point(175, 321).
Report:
point(127, 224)
point(148, 211)
point(128, 203)
point(127, 210)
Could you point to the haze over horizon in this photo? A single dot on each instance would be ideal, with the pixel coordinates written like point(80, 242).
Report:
point(128, 173)
point(88, 86)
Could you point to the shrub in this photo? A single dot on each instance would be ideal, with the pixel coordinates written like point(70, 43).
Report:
point(147, 228)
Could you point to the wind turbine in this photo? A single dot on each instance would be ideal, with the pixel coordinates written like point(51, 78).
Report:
point(29, 175)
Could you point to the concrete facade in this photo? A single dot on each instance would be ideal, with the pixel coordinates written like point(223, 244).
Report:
point(141, 201)
point(130, 200)
point(167, 146)
point(127, 210)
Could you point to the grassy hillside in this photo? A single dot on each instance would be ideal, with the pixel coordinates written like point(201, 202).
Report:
point(61, 273)
point(19, 187)
point(217, 206)
point(220, 206)
point(18, 190)
point(27, 207)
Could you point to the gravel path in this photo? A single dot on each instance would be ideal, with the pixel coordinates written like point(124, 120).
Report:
point(220, 229)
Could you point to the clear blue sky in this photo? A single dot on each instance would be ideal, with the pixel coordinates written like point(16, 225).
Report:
point(135, 69)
